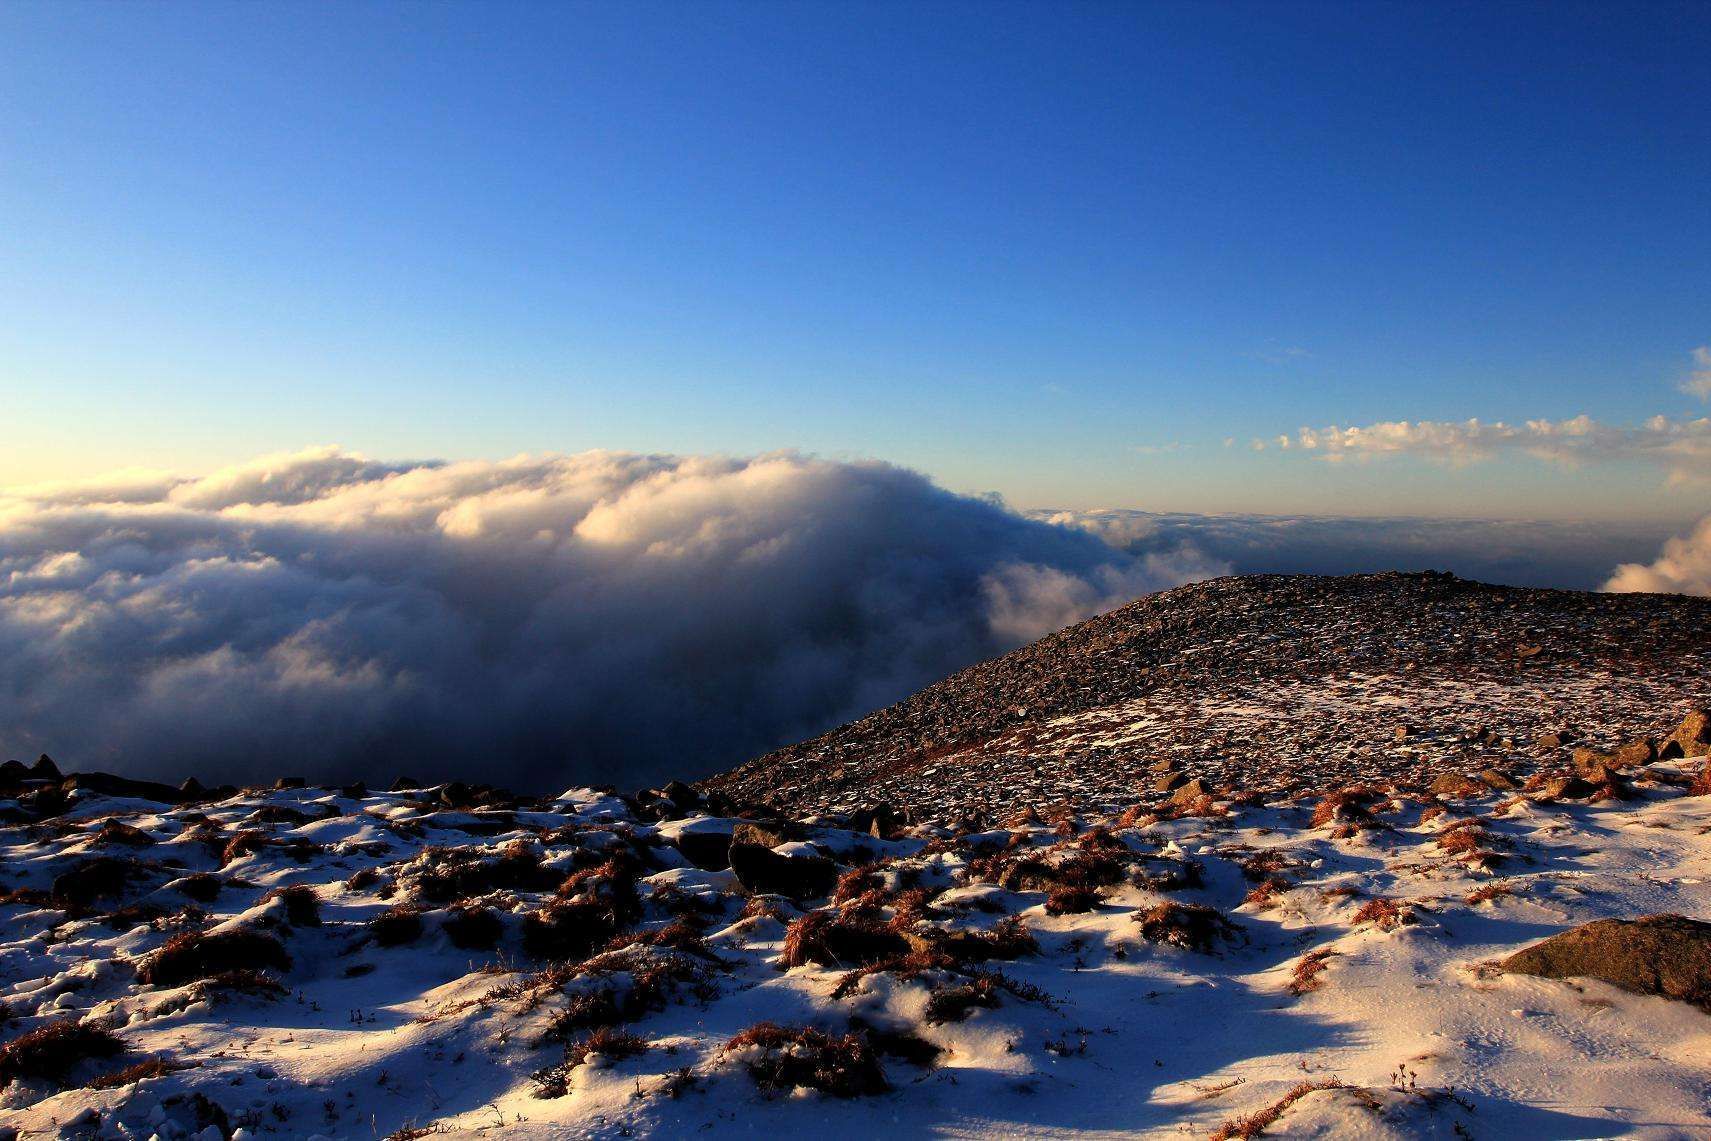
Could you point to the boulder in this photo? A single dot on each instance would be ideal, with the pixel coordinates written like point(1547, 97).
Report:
point(45, 769)
point(1635, 753)
point(1567, 788)
point(1591, 761)
point(1694, 736)
point(109, 785)
point(1191, 792)
point(704, 842)
point(763, 871)
point(1458, 784)
point(1667, 955)
point(1169, 782)
point(759, 835)
point(1498, 779)
point(881, 821)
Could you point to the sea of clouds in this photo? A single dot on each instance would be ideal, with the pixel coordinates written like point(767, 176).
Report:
point(601, 617)
point(538, 621)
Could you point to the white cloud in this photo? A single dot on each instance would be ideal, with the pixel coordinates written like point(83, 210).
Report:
point(542, 620)
point(1698, 382)
point(1683, 567)
point(1681, 447)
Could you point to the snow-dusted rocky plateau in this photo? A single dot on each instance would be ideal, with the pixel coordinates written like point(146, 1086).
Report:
point(1295, 857)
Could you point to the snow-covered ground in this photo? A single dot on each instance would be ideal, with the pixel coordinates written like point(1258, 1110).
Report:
point(984, 1014)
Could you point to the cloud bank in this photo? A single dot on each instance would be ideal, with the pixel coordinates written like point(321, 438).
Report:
point(538, 621)
point(1521, 553)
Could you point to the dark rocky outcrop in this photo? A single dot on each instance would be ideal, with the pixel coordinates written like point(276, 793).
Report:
point(1668, 955)
point(761, 870)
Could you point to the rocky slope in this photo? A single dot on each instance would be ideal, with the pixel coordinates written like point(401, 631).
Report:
point(1264, 682)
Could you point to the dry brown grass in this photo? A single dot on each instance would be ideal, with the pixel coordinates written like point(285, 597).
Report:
point(1192, 926)
point(804, 1058)
point(554, 1080)
point(1257, 1122)
point(1307, 971)
point(1701, 785)
point(140, 1071)
point(1072, 900)
point(194, 955)
point(1345, 806)
point(1488, 893)
point(1386, 914)
point(302, 905)
point(1265, 895)
point(396, 926)
point(50, 1052)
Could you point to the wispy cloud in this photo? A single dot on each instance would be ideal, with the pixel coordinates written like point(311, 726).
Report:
point(1681, 447)
point(1698, 382)
point(1280, 354)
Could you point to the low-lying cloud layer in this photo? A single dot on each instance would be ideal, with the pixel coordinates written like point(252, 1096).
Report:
point(538, 621)
point(1520, 553)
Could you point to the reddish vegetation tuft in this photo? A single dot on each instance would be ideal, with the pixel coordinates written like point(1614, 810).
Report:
point(194, 955)
point(50, 1052)
point(1307, 971)
point(302, 905)
point(805, 1058)
point(1072, 900)
point(141, 1071)
point(554, 1081)
point(396, 926)
point(473, 928)
point(1192, 926)
point(1387, 914)
point(1255, 1124)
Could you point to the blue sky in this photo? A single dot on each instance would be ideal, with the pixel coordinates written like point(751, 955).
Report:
point(1059, 252)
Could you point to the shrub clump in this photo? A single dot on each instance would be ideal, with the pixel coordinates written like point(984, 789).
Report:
point(302, 905)
point(1072, 900)
point(203, 887)
point(1307, 971)
point(473, 928)
point(1386, 914)
point(396, 926)
point(104, 877)
point(554, 1081)
point(953, 1003)
point(51, 1051)
point(140, 1071)
point(194, 955)
point(785, 1058)
point(1256, 1123)
point(1191, 926)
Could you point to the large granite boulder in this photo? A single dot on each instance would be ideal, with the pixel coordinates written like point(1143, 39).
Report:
point(1668, 955)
